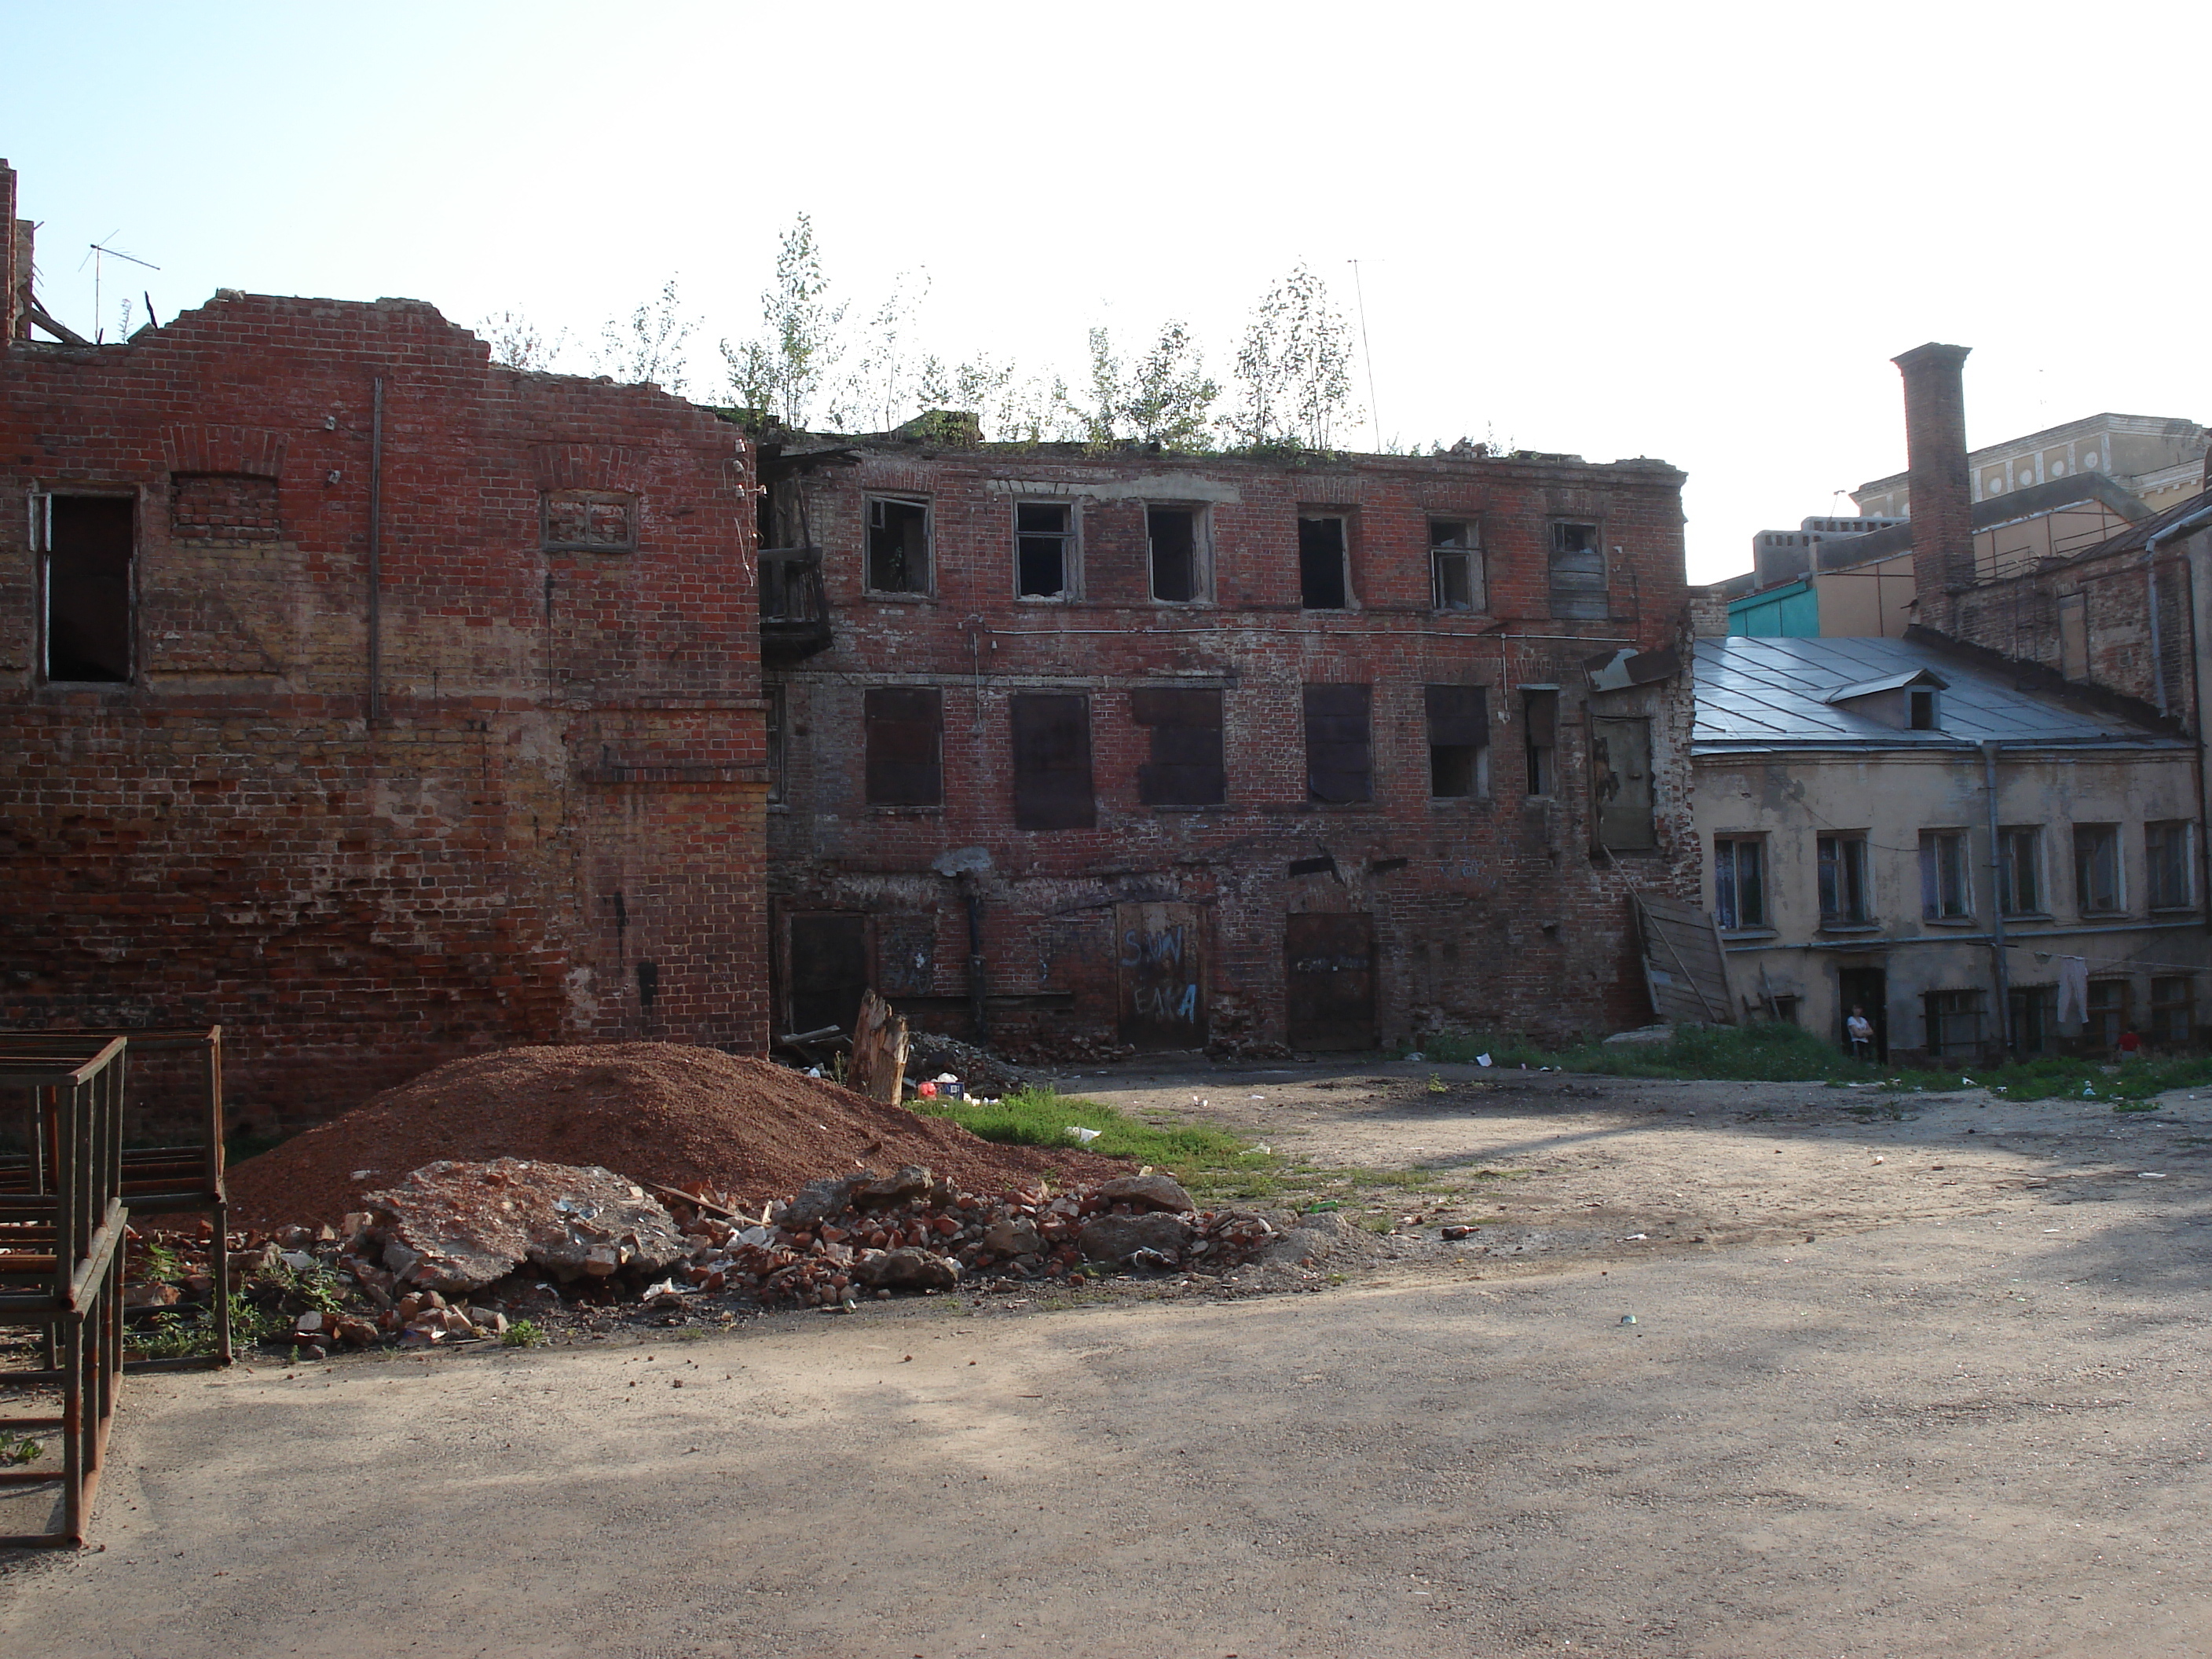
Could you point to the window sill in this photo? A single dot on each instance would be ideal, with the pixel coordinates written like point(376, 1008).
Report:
point(1444, 802)
point(1749, 933)
point(2104, 915)
point(2011, 916)
point(1850, 927)
point(903, 811)
point(1046, 598)
point(1962, 922)
point(2173, 909)
point(1192, 806)
point(887, 597)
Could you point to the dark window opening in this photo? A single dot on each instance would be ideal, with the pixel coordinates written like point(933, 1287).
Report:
point(1340, 757)
point(898, 546)
point(1843, 880)
point(1539, 718)
point(2166, 847)
point(1620, 785)
point(2108, 1013)
point(2033, 1017)
point(1923, 710)
point(1186, 768)
point(89, 624)
point(1455, 564)
point(1172, 534)
point(1052, 761)
point(2020, 871)
point(589, 521)
point(1954, 1023)
point(2173, 1010)
point(1459, 740)
point(905, 743)
point(829, 971)
point(2097, 868)
point(1321, 583)
point(1044, 550)
point(1946, 885)
point(1578, 589)
point(1740, 881)
point(777, 718)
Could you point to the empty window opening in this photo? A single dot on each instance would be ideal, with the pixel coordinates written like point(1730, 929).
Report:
point(88, 542)
point(1578, 589)
point(1185, 768)
point(829, 971)
point(1044, 550)
point(898, 545)
point(1843, 881)
point(2019, 871)
point(589, 521)
point(905, 737)
point(1459, 741)
point(1455, 564)
point(1171, 533)
point(1945, 892)
point(2173, 1010)
point(2108, 1013)
point(1740, 881)
point(1620, 785)
point(2166, 862)
point(2034, 1013)
point(1954, 1023)
point(1052, 761)
point(1924, 709)
point(1539, 720)
point(1340, 753)
point(778, 720)
point(2097, 868)
point(1322, 581)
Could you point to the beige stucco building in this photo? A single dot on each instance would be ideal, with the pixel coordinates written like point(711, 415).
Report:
point(1894, 826)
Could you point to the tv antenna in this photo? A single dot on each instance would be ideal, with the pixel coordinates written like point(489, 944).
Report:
point(1374, 414)
point(98, 251)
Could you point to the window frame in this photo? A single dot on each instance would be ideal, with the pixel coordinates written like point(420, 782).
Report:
point(1470, 551)
point(1730, 912)
point(1958, 1003)
point(870, 500)
point(1839, 862)
point(2182, 864)
point(1037, 806)
point(1365, 716)
point(1540, 738)
point(2010, 864)
point(1070, 540)
point(1602, 596)
point(2164, 1002)
point(1163, 778)
point(1472, 721)
point(628, 501)
point(1201, 552)
point(1935, 905)
point(42, 552)
point(2111, 836)
point(1342, 519)
point(898, 760)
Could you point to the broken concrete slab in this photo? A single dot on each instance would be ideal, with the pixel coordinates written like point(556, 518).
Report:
point(457, 1227)
point(1147, 1192)
point(1116, 1237)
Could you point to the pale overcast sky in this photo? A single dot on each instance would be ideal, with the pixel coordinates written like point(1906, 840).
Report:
point(1692, 231)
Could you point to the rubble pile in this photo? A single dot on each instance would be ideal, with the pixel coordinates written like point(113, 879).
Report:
point(929, 1052)
point(657, 1111)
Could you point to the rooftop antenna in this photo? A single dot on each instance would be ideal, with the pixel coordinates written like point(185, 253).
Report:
point(1374, 414)
point(98, 251)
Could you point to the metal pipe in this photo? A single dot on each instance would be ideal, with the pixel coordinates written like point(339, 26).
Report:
point(376, 552)
point(2001, 970)
point(973, 893)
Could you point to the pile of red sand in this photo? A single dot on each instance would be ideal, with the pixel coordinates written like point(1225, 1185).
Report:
point(653, 1111)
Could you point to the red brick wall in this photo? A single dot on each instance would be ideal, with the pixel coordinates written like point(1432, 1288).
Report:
point(566, 780)
point(1490, 914)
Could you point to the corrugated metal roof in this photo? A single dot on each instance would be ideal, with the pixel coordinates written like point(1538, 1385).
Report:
point(1772, 694)
point(2138, 535)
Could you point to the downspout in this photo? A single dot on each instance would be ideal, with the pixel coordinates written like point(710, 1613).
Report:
point(376, 553)
point(1999, 969)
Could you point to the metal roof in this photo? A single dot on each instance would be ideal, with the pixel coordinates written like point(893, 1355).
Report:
point(1772, 694)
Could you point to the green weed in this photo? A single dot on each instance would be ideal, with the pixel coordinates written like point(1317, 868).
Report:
point(522, 1333)
point(19, 1448)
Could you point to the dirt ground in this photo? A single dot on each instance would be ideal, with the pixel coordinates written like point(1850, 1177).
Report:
point(1879, 1378)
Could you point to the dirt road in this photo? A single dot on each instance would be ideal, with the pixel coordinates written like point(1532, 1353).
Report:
point(1962, 1419)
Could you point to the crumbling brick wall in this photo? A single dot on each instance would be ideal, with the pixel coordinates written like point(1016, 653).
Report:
point(1489, 912)
point(551, 828)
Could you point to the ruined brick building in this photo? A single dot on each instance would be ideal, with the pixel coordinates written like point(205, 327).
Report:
point(1091, 748)
point(374, 700)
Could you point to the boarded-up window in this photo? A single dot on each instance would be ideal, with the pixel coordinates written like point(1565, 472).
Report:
point(1578, 573)
point(1340, 755)
point(905, 741)
point(1459, 736)
point(1173, 536)
point(898, 545)
point(1322, 581)
point(222, 507)
point(1185, 767)
point(1052, 761)
point(1620, 784)
point(88, 541)
point(1329, 980)
point(590, 522)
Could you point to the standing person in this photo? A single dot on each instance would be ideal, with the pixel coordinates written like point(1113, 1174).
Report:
point(1860, 1030)
point(2130, 1044)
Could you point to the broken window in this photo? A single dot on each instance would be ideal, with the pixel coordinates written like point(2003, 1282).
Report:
point(1740, 881)
point(1578, 591)
point(589, 521)
point(1459, 741)
point(1843, 880)
point(88, 542)
point(1339, 756)
point(1539, 718)
point(2166, 863)
point(1173, 535)
point(1620, 784)
point(1052, 761)
point(905, 742)
point(1946, 891)
point(2097, 868)
point(1322, 581)
point(1044, 550)
point(1455, 564)
point(2019, 871)
point(898, 545)
point(1185, 768)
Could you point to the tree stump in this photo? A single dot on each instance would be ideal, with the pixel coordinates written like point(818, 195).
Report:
point(878, 1051)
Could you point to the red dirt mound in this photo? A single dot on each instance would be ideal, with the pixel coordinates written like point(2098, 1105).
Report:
point(654, 1111)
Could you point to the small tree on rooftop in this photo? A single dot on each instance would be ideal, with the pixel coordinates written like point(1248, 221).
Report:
point(1293, 369)
point(1166, 399)
point(788, 372)
point(650, 347)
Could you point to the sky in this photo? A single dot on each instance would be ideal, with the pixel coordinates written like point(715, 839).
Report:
point(1698, 231)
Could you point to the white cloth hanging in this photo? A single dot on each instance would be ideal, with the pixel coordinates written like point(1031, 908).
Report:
point(2073, 989)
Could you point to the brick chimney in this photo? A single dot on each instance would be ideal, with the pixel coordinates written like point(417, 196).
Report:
point(11, 242)
point(1942, 503)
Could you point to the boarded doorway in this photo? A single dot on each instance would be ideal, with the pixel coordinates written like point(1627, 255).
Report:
point(1162, 964)
point(1866, 988)
point(1329, 980)
point(829, 971)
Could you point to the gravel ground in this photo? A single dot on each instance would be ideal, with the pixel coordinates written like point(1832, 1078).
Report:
point(1960, 1419)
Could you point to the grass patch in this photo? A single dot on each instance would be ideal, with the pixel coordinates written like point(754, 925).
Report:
point(522, 1333)
point(1212, 1163)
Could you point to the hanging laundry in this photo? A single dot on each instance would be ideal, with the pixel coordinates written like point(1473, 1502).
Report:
point(2073, 989)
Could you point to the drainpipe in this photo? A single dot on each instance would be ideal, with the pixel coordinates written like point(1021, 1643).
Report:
point(1999, 969)
point(376, 556)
